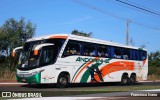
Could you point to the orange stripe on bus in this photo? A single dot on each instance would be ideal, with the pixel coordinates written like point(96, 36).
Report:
point(61, 37)
point(113, 67)
point(84, 68)
point(144, 61)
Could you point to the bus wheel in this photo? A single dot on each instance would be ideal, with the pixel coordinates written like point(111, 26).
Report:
point(132, 79)
point(62, 81)
point(124, 80)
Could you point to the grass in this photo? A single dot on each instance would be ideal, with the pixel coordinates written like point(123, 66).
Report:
point(7, 74)
point(154, 77)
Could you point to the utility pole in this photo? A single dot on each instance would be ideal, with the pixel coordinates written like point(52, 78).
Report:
point(127, 34)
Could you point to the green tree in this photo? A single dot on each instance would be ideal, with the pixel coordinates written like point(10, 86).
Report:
point(14, 33)
point(154, 63)
point(154, 59)
point(76, 32)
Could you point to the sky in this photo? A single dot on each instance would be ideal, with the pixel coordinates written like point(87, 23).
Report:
point(64, 16)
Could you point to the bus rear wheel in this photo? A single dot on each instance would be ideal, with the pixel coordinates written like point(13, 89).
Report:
point(132, 79)
point(124, 80)
point(62, 81)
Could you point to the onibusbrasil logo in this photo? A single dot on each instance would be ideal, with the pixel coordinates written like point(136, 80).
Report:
point(21, 95)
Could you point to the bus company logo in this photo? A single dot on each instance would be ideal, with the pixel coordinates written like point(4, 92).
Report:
point(6, 94)
point(97, 60)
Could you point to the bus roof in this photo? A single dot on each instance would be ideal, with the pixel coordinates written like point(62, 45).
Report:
point(64, 36)
point(98, 41)
point(81, 38)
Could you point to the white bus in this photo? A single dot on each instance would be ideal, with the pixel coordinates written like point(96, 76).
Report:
point(64, 59)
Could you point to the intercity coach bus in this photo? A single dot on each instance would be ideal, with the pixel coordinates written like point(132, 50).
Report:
point(64, 59)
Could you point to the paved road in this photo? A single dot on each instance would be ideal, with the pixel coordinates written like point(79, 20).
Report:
point(72, 87)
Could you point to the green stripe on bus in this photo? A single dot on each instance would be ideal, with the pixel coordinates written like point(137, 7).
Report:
point(78, 70)
point(32, 79)
point(87, 73)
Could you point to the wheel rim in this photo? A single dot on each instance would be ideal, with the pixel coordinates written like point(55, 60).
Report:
point(132, 80)
point(62, 81)
point(124, 81)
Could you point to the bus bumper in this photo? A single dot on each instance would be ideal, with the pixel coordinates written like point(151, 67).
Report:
point(36, 78)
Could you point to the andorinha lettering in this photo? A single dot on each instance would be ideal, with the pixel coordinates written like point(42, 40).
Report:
point(80, 59)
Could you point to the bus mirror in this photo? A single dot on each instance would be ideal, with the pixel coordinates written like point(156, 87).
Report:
point(35, 52)
point(15, 51)
point(38, 47)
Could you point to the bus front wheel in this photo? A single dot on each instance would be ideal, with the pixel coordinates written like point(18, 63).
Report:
point(62, 81)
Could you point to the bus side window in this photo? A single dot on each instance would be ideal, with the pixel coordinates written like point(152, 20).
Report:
point(72, 48)
point(144, 55)
point(102, 51)
point(117, 53)
point(131, 54)
point(139, 56)
point(111, 52)
point(89, 50)
point(136, 55)
point(126, 53)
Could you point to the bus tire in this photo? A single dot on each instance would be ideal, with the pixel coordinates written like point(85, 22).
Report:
point(124, 80)
point(132, 79)
point(62, 81)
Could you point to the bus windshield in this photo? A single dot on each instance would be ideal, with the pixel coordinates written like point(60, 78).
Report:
point(27, 60)
point(46, 55)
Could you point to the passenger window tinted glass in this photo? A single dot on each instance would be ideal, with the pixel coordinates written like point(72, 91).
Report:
point(72, 48)
point(136, 55)
point(117, 53)
point(144, 55)
point(126, 54)
point(89, 50)
point(47, 55)
point(102, 51)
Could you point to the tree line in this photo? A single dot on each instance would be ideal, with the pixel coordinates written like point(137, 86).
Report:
point(154, 63)
point(13, 33)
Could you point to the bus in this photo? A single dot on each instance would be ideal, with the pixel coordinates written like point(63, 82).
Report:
point(66, 58)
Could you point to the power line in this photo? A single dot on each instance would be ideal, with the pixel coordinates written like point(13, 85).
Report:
point(97, 9)
point(130, 7)
point(147, 26)
point(146, 10)
point(142, 6)
point(113, 15)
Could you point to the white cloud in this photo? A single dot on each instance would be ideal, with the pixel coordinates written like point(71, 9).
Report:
point(78, 20)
